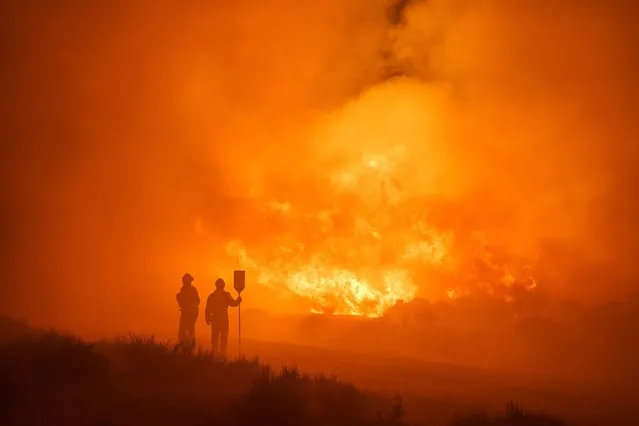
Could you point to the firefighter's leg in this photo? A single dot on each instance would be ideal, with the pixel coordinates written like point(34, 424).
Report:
point(191, 335)
point(182, 330)
point(224, 338)
point(215, 339)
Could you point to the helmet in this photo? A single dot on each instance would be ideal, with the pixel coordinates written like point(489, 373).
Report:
point(219, 284)
point(187, 278)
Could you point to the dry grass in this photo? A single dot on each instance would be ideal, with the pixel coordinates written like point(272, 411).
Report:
point(55, 379)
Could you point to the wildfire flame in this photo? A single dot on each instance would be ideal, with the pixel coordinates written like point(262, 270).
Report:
point(368, 266)
point(365, 241)
point(332, 289)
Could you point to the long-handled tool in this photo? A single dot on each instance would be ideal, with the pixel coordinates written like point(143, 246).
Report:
point(239, 283)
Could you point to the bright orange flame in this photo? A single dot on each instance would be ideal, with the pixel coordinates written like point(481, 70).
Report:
point(332, 289)
point(359, 245)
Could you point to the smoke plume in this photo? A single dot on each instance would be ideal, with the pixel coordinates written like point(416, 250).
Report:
point(140, 140)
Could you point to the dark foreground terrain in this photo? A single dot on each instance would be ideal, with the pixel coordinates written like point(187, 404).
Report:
point(53, 379)
point(439, 391)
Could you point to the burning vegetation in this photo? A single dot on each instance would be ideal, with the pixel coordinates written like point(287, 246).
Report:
point(372, 225)
point(382, 151)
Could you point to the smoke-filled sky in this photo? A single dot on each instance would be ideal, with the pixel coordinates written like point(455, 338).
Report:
point(143, 140)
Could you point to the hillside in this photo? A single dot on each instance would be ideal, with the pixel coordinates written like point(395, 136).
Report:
point(56, 379)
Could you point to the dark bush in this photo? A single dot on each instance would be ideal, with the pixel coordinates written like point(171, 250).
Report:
point(514, 416)
point(50, 360)
point(289, 398)
point(12, 329)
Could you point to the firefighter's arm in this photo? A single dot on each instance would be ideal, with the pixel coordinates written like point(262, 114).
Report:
point(234, 302)
point(207, 312)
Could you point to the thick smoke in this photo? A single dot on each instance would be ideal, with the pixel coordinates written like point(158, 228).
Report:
point(135, 135)
point(546, 89)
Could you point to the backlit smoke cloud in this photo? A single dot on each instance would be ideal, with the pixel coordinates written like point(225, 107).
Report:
point(143, 137)
point(517, 99)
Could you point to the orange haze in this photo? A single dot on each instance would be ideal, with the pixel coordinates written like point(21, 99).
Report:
point(348, 154)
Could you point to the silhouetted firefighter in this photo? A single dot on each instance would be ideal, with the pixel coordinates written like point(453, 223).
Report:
point(189, 301)
point(217, 316)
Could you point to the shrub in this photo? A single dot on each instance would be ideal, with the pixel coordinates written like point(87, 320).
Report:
point(514, 416)
point(50, 360)
point(290, 398)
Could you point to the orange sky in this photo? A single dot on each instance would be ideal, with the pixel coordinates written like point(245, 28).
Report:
point(138, 142)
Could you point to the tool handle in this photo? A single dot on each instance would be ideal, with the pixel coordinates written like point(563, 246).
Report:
point(239, 327)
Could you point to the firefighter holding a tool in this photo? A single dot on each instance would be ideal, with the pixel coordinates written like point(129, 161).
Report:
point(216, 315)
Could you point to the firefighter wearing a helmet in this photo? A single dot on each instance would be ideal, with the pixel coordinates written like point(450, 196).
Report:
point(189, 302)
